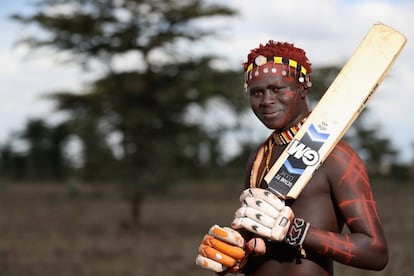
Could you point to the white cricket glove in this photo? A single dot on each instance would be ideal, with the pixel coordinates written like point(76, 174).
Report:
point(266, 215)
point(222, 249)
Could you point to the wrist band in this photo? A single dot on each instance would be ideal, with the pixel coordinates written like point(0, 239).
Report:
point(297, 233)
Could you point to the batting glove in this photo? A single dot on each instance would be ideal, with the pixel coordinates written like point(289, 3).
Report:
point(221, 250)
point(264, 214)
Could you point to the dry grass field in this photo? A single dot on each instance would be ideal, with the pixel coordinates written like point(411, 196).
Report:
point(46, 232)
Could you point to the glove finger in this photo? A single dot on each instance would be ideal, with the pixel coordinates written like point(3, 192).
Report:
point(262, 206)
point(256, 246)
point(255, 215)
point(228, 249)
point(216, 255)
point(210, 264)
point(227, 234)
point(282, 223)
point(252, 226)
point(265, 195)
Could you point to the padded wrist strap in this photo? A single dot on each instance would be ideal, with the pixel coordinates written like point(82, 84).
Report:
point(297, 233)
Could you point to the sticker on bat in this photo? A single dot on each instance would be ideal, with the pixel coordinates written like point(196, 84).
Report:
point(302, 153)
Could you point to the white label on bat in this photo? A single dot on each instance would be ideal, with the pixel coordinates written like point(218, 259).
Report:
point(299, 150)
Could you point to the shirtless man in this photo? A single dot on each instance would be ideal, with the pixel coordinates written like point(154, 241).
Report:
point(339, 193)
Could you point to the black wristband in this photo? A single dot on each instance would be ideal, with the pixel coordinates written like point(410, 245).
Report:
point(297, 233)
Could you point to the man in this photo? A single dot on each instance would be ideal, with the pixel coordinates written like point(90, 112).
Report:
point(304, 236)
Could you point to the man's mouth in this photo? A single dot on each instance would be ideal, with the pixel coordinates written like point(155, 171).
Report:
point(270, 114)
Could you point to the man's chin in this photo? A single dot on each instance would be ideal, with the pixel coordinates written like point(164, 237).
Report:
point(272, 121)
point(272, 126)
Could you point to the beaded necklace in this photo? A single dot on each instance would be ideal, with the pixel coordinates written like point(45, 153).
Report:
point(265, 152)
point(286, 136)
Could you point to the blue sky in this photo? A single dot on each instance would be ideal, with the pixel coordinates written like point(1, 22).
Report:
point(329, 31)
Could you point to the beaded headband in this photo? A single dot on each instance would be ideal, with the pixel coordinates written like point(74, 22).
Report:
point(253, 71)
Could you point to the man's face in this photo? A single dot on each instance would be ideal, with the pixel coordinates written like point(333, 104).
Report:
point(277, 100)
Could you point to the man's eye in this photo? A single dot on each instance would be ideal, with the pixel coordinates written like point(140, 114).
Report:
point(277, 89)
point(256, 92)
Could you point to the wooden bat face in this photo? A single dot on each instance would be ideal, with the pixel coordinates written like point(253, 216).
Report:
point(302, 153)
point(336, 111)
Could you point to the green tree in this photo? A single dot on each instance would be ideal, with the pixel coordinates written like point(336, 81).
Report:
point(103, 30)
point(12, 164)
point(45, 158)
point(321, 79)
point(36, 134)
point(146, 107)
point(35, 153)
point(374, 148)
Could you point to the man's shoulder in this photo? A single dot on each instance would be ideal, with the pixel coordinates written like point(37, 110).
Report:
point(344, 149)
point(341, 157)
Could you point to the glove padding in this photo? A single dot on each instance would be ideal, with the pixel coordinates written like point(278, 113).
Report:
point(264, 214)
point(221, 250)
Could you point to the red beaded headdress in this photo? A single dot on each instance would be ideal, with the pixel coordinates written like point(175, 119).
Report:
point(263, 59)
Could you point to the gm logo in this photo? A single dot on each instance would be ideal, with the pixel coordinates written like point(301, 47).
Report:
point(299, 150)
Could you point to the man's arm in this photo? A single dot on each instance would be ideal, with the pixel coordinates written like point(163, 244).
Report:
point(365, 246)
point(249, 166)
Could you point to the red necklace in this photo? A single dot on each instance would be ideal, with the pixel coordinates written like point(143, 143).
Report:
point(286, 136)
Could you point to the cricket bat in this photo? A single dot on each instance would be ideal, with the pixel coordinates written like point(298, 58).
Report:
point(336, 111)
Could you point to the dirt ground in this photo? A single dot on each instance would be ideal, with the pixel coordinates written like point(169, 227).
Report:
point(46, 232)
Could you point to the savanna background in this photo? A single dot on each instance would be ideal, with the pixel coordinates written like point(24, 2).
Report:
point(140, 162)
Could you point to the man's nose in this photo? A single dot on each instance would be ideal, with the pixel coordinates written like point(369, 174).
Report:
point(268, 97)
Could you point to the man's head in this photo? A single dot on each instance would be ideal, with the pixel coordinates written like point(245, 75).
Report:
point(277, 82)
point(269, 58)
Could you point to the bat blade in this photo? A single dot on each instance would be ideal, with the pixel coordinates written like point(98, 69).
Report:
point(341, 104)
